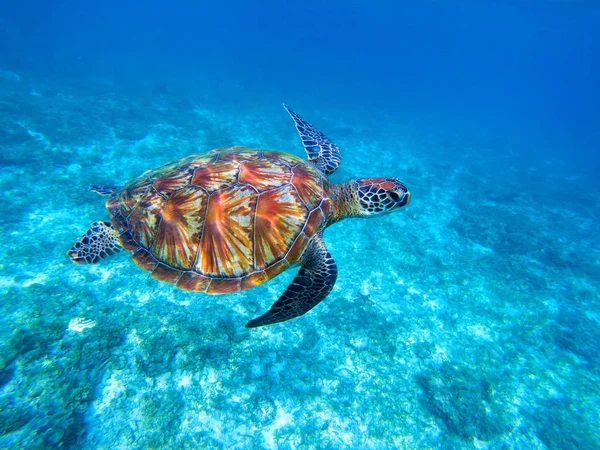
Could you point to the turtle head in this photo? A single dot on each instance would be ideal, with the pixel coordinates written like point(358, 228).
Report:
point(380, 196)
point(374, 196)
point(367, 197)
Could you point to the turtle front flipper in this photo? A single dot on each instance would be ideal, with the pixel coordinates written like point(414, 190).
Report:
point(100, 241)
point(312, 284)
point(323, 153)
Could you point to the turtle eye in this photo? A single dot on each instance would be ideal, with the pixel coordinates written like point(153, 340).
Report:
point(394, 196)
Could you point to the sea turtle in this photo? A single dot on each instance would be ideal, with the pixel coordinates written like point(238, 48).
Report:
point(233, 218)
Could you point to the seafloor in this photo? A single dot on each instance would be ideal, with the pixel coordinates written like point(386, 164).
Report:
point(468, 320)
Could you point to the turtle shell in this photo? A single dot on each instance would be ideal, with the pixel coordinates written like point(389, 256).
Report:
point(223, 221)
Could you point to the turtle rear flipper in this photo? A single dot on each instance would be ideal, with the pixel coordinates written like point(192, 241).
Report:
point(312, 284)
point(100, 241)
point(103, 190)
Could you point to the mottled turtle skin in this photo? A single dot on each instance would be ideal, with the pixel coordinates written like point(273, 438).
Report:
point(223, 221)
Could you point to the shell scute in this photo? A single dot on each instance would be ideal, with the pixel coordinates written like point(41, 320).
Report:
point(240, 155)
point(144, 219)
point(192, 281)
point(168, 185)
point(130, 197)
point(165, 273)
point(254, 279)
point(279, 217)
point(144, 260)
point(309, 185)
point(284, 158)
point(127, 241)
point(315, 220)
point(119, 222)
point(226, 242)
point(264, 174)
point(178, 235)
point(297, 248)
point(276, 268)
point(193, 161)
point(223, 285)
point(215, 176)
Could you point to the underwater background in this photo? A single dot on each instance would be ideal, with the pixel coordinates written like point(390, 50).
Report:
point(469, 319)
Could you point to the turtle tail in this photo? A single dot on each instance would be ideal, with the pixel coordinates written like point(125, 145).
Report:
point(100, 241)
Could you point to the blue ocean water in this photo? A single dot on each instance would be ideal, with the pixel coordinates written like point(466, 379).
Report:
point(469, 319)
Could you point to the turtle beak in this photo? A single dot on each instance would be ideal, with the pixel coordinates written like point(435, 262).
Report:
point(402, 196)
point(406, 199)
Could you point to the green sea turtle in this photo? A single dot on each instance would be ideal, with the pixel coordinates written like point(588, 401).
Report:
point(233, 218)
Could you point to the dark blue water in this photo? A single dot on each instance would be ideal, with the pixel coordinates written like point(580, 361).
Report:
point(471, 319)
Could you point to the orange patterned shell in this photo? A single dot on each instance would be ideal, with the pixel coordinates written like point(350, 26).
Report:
point(223, 221)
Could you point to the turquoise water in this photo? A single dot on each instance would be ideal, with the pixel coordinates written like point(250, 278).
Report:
point(467, 320)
